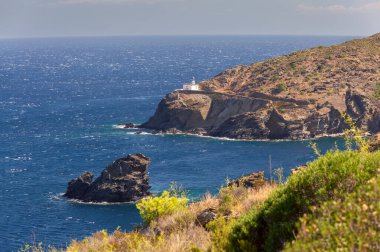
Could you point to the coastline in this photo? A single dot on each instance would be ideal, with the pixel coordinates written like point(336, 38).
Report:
point(182, 133)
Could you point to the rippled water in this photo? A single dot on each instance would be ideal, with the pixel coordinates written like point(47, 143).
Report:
point(59, 100)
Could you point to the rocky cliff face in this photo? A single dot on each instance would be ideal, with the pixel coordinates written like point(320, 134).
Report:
point(124, 180)
point(296, 96)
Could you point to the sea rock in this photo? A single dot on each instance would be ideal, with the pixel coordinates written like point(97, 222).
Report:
point(288, 97)
point(125, 180)
point(253, 180)
point(128, 125)
point(79, 186)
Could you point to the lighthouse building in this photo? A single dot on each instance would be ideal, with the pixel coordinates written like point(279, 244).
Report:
point(191, 86)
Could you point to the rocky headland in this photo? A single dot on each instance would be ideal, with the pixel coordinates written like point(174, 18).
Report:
point(125, 180)
point(297, 96)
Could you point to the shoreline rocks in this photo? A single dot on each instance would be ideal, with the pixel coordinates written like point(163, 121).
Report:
point(125, 180)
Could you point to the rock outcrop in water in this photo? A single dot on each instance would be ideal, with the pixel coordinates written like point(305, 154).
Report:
point(296, 96)
point(125, 180)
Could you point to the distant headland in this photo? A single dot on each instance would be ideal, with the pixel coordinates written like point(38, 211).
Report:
point(301, 95)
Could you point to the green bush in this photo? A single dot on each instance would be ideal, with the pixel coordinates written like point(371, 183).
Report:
point(282, 86)
point(219, 230)
point(329, 177)
point(352, 224)
point(377, 90)
point(304, 71)
point(293, 65)
point(274, 77)
point(167, 203)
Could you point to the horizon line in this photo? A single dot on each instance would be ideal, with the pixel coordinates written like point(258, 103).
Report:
point(180, 35)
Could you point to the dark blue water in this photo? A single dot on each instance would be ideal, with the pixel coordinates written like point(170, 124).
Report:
point(59, 100)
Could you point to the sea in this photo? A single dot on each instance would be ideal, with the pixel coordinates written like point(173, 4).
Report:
point(62, 98)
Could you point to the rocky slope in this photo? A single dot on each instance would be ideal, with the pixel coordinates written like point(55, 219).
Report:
point(296, 96)
point(124, 180)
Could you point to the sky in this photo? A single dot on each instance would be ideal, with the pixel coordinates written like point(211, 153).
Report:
point(52, 18)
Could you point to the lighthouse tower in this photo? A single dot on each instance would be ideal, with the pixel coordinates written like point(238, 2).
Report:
point(191, 86)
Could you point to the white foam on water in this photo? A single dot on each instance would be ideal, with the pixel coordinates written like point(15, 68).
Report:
point(99, 203)
point(143, 133)
point(60, 197)
point(121, 126)
point(17, 170)
point(235, 139)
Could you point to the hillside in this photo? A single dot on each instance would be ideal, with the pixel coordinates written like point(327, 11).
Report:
point(296, 96)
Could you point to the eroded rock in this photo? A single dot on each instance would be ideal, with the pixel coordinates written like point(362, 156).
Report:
point(125, 180)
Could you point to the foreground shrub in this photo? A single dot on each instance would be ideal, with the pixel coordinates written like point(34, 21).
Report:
point(168, 203)
point(219, 230)
point(329, 177)
point(352, 224)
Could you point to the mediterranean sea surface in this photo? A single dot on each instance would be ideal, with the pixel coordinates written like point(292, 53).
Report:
point(60, 99)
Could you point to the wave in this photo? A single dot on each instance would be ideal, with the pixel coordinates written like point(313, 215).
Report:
point(16, 170)
point(60, 197)
point(144, 133)
point(19, 158)
point(56, 197)
point(235, 139)
point(99, 203)
point(121, 126)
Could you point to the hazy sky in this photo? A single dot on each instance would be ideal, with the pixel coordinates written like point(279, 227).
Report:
point(31, 18)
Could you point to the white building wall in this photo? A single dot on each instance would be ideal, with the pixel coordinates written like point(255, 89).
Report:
point(190, 87)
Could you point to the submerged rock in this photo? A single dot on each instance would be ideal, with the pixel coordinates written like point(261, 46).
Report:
point(125, 180)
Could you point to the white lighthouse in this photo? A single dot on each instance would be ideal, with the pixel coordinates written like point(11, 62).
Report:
point(191, 86)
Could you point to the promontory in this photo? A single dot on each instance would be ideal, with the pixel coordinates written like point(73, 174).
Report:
point(296, 96)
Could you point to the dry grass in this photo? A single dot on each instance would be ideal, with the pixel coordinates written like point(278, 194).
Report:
point(254, 197)
point(179, 231)
point(185, 240)
point(184, 219)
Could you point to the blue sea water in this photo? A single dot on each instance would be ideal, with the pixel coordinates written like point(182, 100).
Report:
point(61, 97)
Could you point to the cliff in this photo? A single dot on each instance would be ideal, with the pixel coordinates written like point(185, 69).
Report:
point(296, 96)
